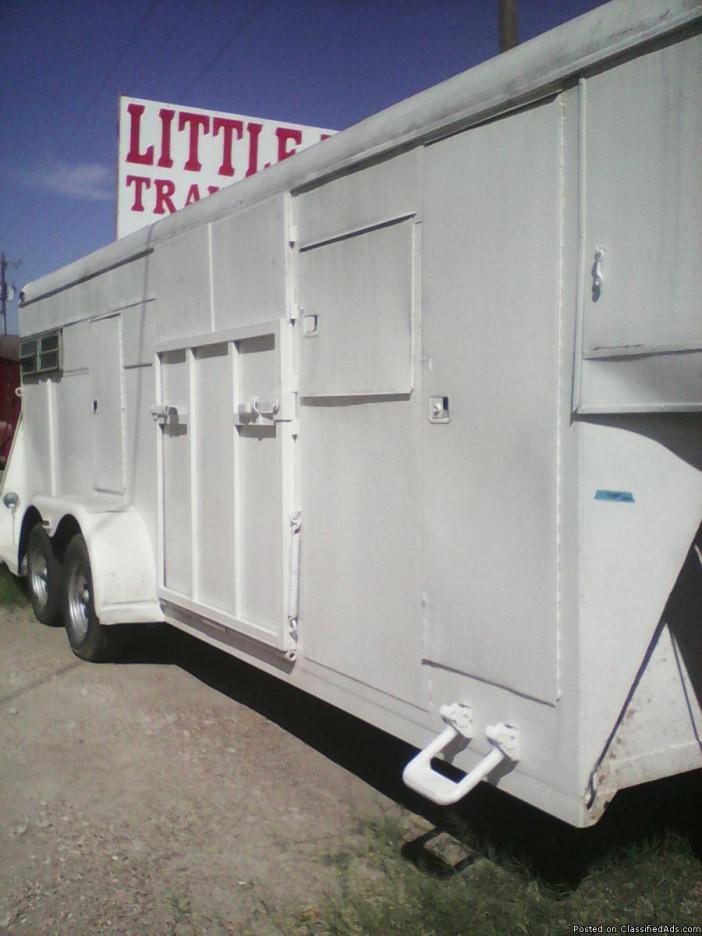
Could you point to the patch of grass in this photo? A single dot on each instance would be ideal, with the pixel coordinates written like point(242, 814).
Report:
point(382, 894)
point(13, 593)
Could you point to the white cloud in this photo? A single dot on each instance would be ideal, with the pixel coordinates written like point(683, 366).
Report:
point(87, 181)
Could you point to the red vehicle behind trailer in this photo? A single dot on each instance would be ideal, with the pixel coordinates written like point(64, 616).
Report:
point(10, 403)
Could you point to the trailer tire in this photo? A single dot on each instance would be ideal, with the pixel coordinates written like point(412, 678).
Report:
point(44, 577)
point(89, 639)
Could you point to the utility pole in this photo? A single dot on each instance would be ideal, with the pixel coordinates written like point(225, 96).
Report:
point(3, 292)
point(3, 289)
point(508, 24)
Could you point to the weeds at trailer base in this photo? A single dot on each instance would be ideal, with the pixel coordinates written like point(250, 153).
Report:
point(13, 593)
point(384, 894)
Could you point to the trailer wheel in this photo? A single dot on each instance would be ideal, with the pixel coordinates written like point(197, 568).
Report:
point(89, 639)
point(44, 575)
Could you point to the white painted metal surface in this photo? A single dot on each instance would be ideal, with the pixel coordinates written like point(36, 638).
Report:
point(642, 212)
point(224, 415)
point(490, 300)
point(413, 420)
point(106, 405)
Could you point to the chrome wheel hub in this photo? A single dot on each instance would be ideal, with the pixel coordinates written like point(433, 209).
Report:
point(39, 578)
point(79, 603)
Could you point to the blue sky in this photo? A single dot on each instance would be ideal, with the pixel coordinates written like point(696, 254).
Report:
point(327, 63)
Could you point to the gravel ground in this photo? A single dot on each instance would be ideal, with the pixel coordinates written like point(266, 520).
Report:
point(179, 792)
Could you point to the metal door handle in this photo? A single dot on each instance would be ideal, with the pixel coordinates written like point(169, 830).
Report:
point(597, 272)
point(161, 414)
point(255, 410)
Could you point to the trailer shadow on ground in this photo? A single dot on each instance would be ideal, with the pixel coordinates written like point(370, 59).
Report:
point(487, 821)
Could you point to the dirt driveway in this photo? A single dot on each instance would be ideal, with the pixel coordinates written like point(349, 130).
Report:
point(179, 792)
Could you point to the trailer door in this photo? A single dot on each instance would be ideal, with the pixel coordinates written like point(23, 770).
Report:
point(230, 532)
point(641, 233)
point(490, 287)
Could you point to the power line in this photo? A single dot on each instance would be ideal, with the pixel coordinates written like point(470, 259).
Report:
point(153, 57)
point(118, 61)
point(56, 162)
point(245, 23)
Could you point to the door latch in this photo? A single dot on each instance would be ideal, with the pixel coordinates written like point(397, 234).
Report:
point(257, 412)
point(439, 409)
point(162, 414)
point(597, 272)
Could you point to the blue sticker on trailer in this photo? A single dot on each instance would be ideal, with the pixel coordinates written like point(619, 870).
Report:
point(625, 497)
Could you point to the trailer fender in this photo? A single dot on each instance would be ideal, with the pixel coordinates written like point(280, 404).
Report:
point(122, 563)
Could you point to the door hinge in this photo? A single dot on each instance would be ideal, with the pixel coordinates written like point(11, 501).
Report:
point(294, 582)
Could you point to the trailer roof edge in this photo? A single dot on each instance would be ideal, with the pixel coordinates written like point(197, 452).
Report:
point(531, 70)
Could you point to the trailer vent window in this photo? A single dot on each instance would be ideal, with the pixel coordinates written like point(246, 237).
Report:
point(41, 355)
point(28, 358)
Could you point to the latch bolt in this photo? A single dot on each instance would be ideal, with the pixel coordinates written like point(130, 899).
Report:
point(255, 411)
point(161, 414)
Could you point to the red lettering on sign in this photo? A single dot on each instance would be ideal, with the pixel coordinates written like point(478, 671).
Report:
point(285, 135)
point(211, 189)
point(197, 123)
point(254, 130)
point(140, 183)
point(228, 126)
point(134, 156)
point(324, 136)
point(164, 196)
point(166, 115)
point(193, 194)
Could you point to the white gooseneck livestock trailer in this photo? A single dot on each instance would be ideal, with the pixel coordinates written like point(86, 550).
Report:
point(411, 420)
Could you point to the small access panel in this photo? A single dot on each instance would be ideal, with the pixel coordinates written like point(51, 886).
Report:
point(641, 234)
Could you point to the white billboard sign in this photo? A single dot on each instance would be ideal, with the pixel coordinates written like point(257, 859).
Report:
point(171, 156)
